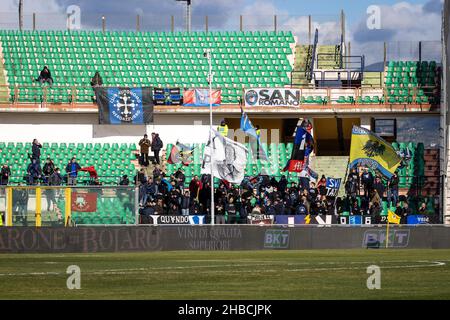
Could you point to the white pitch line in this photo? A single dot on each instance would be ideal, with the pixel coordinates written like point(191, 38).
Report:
point(167, 270)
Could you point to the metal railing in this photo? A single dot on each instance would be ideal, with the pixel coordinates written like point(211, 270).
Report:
point(72, 100)
point(69, 206)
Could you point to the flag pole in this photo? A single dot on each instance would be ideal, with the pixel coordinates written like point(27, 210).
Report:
point(210, 77)
point(387, 235)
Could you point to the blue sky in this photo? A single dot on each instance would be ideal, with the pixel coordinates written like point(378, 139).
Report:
point(354, 9)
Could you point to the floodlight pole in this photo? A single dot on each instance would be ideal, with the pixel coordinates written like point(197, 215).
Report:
point(211, 144)
point(188, 14)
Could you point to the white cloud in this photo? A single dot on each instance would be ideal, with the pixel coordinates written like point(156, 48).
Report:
point(401, 22)
point(403, 25)
point(30, 6)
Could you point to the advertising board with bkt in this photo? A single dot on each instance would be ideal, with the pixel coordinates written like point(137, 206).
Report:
point(278, 97)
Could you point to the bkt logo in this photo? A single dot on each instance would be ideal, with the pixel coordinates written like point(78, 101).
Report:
point(276, 239)
point(377, 238)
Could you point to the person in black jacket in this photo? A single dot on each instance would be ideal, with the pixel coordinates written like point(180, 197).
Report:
point(403, 212)
point(20, 205)
point(186, 203)
point(146, 212)
point(231, 211)
point(379, 187)
point(282, 185)
point(124, 181)
point(96, 80)
point(4, 175)
point(157, 145)
point(393, 189)
point(36, 150)
point(45, 76)
point(34, 172)
point(49, 168)
point(55, 179)
point(367, 182)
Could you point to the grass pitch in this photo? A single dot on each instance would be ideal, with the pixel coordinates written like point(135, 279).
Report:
point(309, 274)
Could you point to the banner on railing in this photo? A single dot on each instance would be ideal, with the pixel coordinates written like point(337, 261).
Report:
point(84, 202)
point(276, 97)
point(260, 219)
point(167, 96)
point(124, 105)
point(166, 219)
point(292, 220)
point(199, 97)
point(305, 219)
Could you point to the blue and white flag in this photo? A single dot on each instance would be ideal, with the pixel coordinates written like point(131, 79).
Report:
point(255, 140)
point(333, 186)
point(124, 105)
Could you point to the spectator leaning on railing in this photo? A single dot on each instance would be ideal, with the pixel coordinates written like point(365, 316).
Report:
point(72, 169)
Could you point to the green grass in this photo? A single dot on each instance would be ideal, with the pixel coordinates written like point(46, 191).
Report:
point(315, 274)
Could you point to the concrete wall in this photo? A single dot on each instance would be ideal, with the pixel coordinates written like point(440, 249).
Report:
point(230, 237)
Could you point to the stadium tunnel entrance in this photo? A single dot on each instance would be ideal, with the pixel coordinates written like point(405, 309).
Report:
point(332, 135)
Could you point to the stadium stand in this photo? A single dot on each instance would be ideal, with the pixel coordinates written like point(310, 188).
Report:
point(252, 59)
point(412, 81)
point(111, 161)
point(109, 211)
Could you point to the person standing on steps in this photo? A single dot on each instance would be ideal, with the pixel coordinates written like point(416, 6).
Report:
point(145, 145)
point(157, 145)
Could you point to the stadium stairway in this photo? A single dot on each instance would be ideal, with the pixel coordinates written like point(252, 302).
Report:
point(372, 79)
point(331, 166)
point(302, 54)
point(3, 81)
point(328, 57)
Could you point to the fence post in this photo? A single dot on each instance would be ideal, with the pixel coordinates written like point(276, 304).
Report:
point(206, 23)
point(9, 204)
point(275, 23)
point(309, 29)
point(68, 206)
point(34, 21)
point(348, 55)
point(241, 23)
point(38, 207)
point(103, 23)
point(172, 23)
point(138, 23)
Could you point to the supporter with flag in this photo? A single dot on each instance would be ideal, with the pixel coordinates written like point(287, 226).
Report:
point(368, 149)
point(180, 153)
point(254, 134)
point(229, 158)
point(303, 147)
